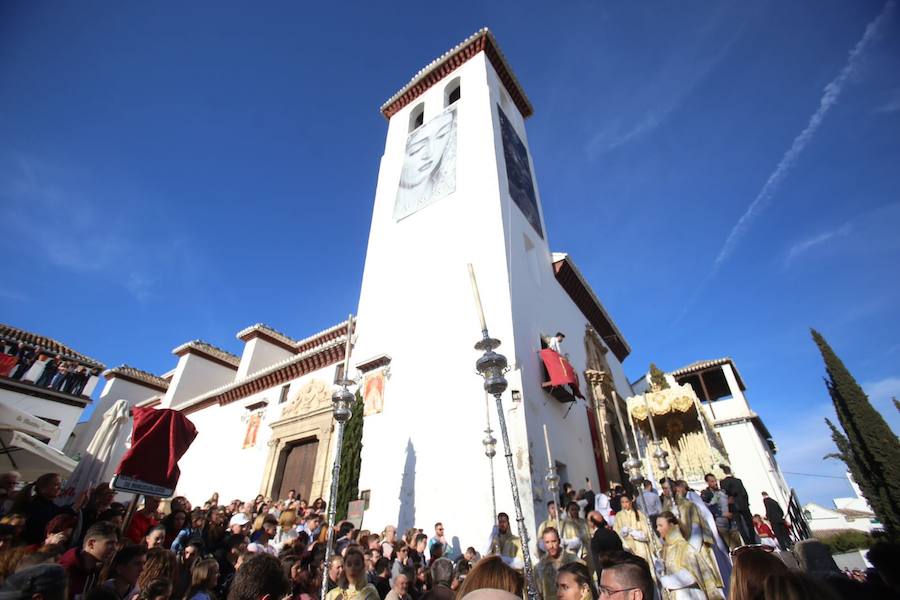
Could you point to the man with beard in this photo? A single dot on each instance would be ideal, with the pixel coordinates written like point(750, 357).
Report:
point(506, 545)
point(548, 567)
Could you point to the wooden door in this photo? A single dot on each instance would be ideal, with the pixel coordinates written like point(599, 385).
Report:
point(297, 472)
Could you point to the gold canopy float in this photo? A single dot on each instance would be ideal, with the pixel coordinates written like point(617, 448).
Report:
point(685, 431)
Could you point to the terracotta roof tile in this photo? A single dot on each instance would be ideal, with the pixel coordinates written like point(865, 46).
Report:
point(209, 349)
point(481, 39)
point(129, 372)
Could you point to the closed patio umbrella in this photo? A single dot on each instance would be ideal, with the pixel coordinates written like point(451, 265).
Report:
point(99, 457)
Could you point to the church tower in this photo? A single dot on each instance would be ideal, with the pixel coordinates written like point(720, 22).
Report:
point(456, 186)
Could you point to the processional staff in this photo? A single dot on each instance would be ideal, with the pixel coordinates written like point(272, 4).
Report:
point(492, 366)
point(341, 400)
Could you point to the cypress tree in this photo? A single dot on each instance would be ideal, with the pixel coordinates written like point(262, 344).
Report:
point(867, 445)
point(351, 459)
point(658, 377)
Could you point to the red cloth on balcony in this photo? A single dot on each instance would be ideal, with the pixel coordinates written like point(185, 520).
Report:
point(7, 363)
point(159, 439)
point(560, 370)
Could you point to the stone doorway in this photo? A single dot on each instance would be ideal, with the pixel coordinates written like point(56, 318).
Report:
point(296, 468)
point(301, 444)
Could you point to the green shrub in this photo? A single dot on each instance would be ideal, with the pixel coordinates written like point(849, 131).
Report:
point(846, 541)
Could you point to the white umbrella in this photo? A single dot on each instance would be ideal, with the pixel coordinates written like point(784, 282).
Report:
point(95, 461)
point(18, 420)
point(31, 457)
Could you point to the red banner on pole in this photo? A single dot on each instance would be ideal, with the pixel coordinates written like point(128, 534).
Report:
point(159, 439)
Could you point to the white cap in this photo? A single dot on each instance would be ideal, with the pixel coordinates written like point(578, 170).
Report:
point(239, 519)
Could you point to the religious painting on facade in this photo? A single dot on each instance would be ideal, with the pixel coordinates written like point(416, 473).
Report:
point(429, 165)
point(518, 173)
point(373, 393)
point(253, 422)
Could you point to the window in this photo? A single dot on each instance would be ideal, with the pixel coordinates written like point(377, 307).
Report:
point(417, 117)
point(452, 92)
point(259, 405)
point(284, 394)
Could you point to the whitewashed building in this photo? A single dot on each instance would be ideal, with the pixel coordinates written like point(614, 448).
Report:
point(851, 512)
point(455, 186)
point(263, 419)
point(29, 390)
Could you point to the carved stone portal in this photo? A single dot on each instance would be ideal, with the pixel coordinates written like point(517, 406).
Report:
point(306, 418)
point(315, 394)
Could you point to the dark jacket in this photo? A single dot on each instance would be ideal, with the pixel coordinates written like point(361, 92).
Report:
point(773, 511)
point(81, 580)
point(734, 487)
point(38, 513)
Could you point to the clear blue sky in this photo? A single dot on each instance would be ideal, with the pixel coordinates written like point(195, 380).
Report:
point(171, 171)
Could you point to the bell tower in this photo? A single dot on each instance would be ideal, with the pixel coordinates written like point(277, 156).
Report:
point(456, 186)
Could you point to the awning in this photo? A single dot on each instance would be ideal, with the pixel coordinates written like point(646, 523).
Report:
point(31, 457)
point(13, 418)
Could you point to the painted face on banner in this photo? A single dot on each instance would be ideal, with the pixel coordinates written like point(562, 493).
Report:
point(425, 149)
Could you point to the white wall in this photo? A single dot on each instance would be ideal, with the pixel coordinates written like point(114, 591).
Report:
point(752, 462)
point(66, 414)
point(195, 375)
point(259, 354)
point(823, 519)
point(416, 306)
point(217, 460)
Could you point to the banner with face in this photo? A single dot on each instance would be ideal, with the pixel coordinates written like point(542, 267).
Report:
point(429, 165)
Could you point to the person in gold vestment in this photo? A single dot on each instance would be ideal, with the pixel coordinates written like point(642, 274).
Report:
point(682, 571)
point(694, 529)
point(552, 520)
point(549, 565)
point(504, 544)
point(631, 525)
point(353, 585)
point(576, 535)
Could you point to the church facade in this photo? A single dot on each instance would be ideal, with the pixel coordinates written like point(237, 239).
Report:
point(456, 187)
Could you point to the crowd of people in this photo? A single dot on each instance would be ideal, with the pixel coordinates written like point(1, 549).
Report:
point(67, 376)
point(602, 545)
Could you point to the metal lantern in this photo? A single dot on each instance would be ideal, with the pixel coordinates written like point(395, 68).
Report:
point(633, 467)
point(490, 443)
point(552, 480)
point(660, 455)
point(341, 401)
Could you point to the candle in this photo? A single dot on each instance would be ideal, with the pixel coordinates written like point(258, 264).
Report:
point(547, 443)
point(477, 297)
point(347, 349)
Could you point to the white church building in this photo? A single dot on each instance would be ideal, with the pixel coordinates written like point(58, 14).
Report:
point(456, 186)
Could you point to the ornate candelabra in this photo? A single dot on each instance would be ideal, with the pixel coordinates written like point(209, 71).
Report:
point(493, 366)
point(341, 401)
